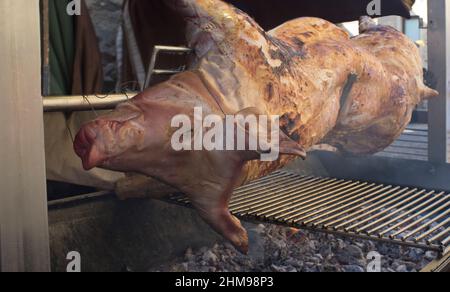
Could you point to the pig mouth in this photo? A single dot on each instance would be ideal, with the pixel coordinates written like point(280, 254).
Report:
point(85, 147)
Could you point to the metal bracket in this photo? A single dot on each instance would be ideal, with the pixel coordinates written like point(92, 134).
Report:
point(157, 50)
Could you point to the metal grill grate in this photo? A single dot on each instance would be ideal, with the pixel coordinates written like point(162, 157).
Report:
point(402, 215)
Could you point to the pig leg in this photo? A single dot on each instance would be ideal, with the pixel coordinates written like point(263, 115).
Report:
point(212, 206)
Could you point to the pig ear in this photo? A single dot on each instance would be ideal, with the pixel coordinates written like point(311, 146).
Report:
point(287, 146)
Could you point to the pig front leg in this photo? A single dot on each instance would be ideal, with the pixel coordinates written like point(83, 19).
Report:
point(212, 202)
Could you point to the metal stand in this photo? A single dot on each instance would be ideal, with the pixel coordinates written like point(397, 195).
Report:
point(160, 50)
point(439, 66)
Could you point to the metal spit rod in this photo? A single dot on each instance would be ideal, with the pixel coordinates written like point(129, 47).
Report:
point(83, 103)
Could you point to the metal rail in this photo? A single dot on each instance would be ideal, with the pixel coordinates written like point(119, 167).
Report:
point(441, 265)
point(400, 215)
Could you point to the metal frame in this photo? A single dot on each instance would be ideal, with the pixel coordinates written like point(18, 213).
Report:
point(110, 101)
point(439, 64)
point(438, 266)
point(24, 237)
point(157, 50)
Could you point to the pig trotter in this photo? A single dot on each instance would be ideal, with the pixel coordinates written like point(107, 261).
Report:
point(227, 225)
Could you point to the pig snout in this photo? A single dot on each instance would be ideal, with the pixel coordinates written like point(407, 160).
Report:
point(86, 145)
point(103, 140)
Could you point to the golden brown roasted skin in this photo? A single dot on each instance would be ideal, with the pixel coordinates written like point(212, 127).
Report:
point(300, 71)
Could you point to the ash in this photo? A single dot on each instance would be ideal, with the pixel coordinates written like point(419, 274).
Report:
point(280, 249)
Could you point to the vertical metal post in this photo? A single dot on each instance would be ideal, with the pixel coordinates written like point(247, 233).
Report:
point(24, 238)
point(439, 66)
point(45, 47)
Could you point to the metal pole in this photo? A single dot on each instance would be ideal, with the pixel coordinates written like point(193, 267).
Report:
point(24, 237)
point(45, 37)
point(439, 66)
point(83, 103)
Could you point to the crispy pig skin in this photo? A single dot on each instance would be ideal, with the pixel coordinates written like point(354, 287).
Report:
point(356, 94)
point(300, 70)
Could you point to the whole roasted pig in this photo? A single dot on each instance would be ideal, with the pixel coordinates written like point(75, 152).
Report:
point(356, 94)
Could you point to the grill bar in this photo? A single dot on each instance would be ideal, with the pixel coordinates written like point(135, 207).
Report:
point(440, 235)
point(408, 213)
point(413, 216)
point(401, 215)
point(415, 223)
point(386, 217)
point(384, 213)
point(302, 217)
point(432, 230)
point(288, 209)
point(447, 240)
point(422, 227)
point(305, 199)
point(271, 197)
point(268, 192)
point(275, 181)
point(361, 212)
point(347, 208)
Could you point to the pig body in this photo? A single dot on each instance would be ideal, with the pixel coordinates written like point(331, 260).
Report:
point(299, 71)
